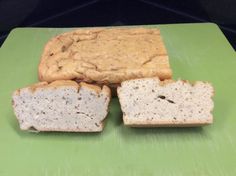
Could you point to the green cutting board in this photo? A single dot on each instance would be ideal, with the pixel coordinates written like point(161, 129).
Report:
point(197, 52)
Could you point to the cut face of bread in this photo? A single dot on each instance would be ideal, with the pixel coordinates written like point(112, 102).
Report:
point(105, 55)
point(150, 102)
point(61, 106)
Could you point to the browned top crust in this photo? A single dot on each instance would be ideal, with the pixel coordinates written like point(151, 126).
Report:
point(105, 55)
point(66, 83)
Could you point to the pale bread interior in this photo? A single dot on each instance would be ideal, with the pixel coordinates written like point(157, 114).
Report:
point(150, 102)
point(63, 108)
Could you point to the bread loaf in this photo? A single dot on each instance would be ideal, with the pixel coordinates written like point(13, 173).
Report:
point(151, 102)
point(105, 56)
point(61, 106)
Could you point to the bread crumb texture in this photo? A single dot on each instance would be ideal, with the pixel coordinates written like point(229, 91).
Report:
point(150, 102)
point(105, 55)
point(61, 106)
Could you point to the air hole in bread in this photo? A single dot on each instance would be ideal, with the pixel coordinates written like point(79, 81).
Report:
point(170, 101)
point(161, 97)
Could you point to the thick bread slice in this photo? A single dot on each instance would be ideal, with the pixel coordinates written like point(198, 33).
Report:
point(152, 103)
point(61, 106)
point(105, 56)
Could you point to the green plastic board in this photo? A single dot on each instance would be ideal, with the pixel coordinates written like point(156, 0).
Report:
point(197, 52)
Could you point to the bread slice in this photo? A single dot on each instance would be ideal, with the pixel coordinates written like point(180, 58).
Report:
point(61, 106)
point(105, 56)
point(153, 103)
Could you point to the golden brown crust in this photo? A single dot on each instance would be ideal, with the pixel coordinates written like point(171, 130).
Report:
point(105, 55)
point(169, 123)
point(107, 90)
point(55, 84)
point(191, 83)
point(95, 88)
point(66, 83)
point(66, 130)
point(169, 81)
point(166, 82)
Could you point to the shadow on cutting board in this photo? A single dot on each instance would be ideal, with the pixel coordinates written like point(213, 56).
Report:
point(170, 134)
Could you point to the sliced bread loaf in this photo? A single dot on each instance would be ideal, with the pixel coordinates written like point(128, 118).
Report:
point(150, 102)
point(61, 106)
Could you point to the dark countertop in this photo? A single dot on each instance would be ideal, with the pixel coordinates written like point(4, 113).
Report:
point(72, 13)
